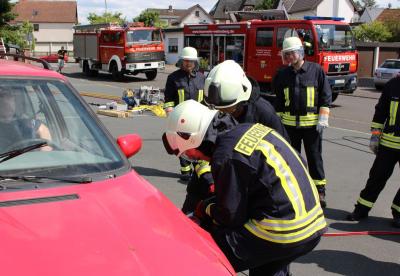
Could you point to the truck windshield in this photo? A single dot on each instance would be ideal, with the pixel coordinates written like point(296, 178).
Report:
point(335, 37)
point(143, 36)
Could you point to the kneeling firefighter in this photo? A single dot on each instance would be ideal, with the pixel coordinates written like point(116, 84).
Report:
point(266, 211)
point(240, 97)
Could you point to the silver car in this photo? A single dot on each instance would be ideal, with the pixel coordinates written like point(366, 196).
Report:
point(387, 70)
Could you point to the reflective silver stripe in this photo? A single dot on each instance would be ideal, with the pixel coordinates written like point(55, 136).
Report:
point(316, 225)
point(287, 99)
point(201, 96)
point(288, 224)
point(393, 112)
point(295, 198)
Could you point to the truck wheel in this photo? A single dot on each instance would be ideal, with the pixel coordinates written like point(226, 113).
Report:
point(116, 75)
point(151, 75)
point(334, 96)
point(85, 68)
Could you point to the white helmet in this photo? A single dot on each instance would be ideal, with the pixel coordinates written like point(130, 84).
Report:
point(186, 126)
point(292, 44)
point(226, 85)
point(189, 53)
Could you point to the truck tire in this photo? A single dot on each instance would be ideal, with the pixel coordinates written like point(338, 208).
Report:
point(151, 75)
point(334, 96)
point(116, 75)
point(85, 68)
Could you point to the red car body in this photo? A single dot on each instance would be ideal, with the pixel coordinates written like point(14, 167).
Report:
point(117, 226)
point(53, 58)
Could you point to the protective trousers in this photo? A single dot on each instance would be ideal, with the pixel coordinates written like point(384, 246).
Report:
point(246, 251)
point(379, 174)
point(312, 141)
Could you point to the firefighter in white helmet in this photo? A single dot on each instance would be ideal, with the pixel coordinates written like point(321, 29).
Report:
point(227, 88)
point(184, 84)
point(303, 97)
point(258, 223)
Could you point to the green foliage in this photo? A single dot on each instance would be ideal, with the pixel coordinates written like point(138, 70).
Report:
point(394, 28)
point(106, 17)
point(266, 5)
point(150, 18)
point(372, 32)
point(18, 35)
point(5, 12)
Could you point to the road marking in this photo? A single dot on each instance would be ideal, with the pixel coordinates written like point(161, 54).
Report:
point(351, 130)
point(349, 120)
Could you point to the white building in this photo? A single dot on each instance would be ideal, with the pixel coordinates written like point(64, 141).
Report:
point(52, 21)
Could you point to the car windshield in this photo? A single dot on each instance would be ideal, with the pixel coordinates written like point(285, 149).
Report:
point(391, 64)
point(143, 36)
point(37, 110)
point(335, 37)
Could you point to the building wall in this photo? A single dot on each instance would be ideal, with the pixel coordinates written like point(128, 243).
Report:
point(340, 8)
point(51, 36)
point(193, 19)
point(172, 58)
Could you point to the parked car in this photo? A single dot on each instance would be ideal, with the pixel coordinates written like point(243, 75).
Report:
point(53, 58)
point(71, 203)
point(387, 70)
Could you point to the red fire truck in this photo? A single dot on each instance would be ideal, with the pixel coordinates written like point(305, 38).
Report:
point(256, 45)
point(119, 50)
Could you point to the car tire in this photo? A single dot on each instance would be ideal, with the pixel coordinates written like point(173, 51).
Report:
point(151, 75)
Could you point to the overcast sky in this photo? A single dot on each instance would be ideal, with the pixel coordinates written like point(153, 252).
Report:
point(132, 8)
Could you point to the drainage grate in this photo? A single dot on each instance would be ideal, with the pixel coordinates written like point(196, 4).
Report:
point(38, 200)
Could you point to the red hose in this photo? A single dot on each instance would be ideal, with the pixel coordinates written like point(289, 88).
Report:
point(362, 233)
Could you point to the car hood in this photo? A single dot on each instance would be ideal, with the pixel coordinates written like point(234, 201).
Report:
point(121, 226)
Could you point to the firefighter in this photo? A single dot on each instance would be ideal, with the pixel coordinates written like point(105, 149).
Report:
point(245, 105)
point(266, 211)
point(385, 143)
point(184, 84)
point(303, 97)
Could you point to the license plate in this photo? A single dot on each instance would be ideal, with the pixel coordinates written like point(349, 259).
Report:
point(339, 81)
point(387, 75)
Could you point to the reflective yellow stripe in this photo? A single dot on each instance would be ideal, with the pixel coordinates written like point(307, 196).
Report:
point(389, 144)
point(313, 187)
point(285, 238)
point(393, 112)
point(310, 97)
point(202, 167)
point(397, 208)
point(391, 137)
point(365, 202)
point(320, 182)
point(181, 95)
point(288, 225)
point(376, 125)
point(287, 99)
point(169, 104)
point(185, 169)
point(284, 172)
point(208, 209)
point(390, 141)
point(307, 120)
point(201, 96)
point(251, 138)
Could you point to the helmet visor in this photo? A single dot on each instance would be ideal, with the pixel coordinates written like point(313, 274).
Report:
point(214, 96)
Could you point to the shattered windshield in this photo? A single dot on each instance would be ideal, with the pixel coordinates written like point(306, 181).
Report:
point(335, 37)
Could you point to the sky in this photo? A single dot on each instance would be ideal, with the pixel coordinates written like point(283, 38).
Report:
point(132, 8)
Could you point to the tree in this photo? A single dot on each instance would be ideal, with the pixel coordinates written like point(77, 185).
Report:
point(372, 32)
point(150, 18)
point(5, 12)
point(106, 17)
point(363, 4)
point(266, 5)
point(394, 28)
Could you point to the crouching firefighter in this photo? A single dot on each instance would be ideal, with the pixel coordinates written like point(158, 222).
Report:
point(385, 143)
point(303, 97)
point(184, 84)
point(229, 90)
point(266, 211)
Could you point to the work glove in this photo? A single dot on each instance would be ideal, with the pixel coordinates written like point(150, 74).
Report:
point(201, 208)
point(374, 140)
point(323, 119)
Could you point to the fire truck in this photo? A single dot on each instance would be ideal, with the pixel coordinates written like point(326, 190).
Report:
point(120, 50)
point(256, 45)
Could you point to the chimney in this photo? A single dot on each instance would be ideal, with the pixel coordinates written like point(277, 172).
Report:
point(170, 8)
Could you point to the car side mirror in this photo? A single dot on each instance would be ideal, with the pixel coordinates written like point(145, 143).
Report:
point(130, 144)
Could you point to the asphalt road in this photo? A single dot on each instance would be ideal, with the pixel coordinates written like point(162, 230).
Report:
point(347, 164)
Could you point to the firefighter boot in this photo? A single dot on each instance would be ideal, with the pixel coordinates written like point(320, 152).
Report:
point(359, 213)
point(322, 200)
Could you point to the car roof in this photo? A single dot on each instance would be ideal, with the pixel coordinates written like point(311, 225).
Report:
point(18, 68)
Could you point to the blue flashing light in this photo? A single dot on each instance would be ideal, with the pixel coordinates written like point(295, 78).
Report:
point(323, 18)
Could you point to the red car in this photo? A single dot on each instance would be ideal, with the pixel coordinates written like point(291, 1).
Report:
point(53, 58)
point(71, 204)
